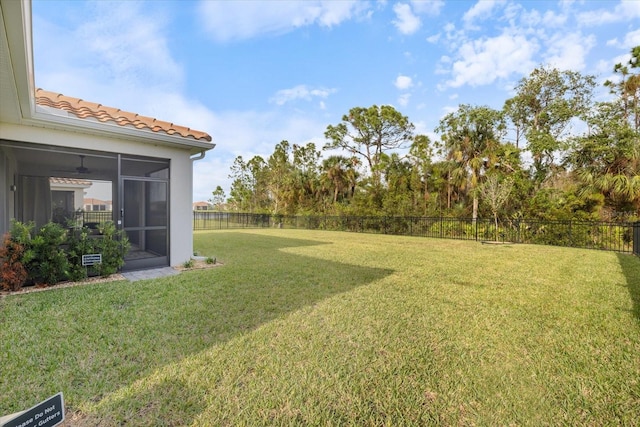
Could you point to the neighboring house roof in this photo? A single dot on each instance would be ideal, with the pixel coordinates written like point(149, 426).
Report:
point(70, 181)
point(201, 204)
point(90, 110)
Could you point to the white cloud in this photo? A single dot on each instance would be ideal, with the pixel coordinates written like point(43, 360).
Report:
point(602, 67)
point(454, 37)
point(249, 134)
point(613, 42)
point(625, 10)
point(448, 109)
point(427, 7)
point(484, 60)
point(434, 38)
point(239, 20)
point(406, 22)
point(552, 19)
point(114, 58)
point(534, 19)
point(483, 9)
point(403, 99)
point(605, 67)
point(300, 92)
point(128, 47)
point(403, 82)
point(568, 51)
point(631, 39)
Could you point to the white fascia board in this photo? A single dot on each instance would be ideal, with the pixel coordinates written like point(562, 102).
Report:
point(17, 22)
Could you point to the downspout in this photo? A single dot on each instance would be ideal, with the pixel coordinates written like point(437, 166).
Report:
point(199, 157)
point(193, 159)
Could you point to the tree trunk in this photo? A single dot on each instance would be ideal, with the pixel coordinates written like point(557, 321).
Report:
point(474, 216)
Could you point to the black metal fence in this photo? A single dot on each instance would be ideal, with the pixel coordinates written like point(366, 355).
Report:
point(80, 218)
point(612, 236)
point(208, 220)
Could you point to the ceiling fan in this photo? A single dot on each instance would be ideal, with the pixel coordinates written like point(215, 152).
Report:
point(80, 170)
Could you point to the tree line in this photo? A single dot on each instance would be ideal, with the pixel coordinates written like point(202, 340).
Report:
point(523, 161)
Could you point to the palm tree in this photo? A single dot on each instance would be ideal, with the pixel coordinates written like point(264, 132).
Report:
point(470, 137)
point(335, 174)
point(607, 160)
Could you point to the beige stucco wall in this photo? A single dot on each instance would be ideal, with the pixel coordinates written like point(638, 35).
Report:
point(181, 179)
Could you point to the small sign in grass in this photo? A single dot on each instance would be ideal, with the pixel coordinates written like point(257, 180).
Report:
point(48, 413)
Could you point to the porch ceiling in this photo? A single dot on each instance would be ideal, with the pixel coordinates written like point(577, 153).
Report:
point(53, 161)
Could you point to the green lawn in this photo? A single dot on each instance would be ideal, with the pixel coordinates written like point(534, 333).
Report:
point(328, 328)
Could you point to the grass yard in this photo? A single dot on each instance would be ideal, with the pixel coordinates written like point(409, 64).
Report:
point(328, 328)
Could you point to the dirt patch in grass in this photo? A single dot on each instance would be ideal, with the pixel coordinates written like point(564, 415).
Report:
point(198, 264)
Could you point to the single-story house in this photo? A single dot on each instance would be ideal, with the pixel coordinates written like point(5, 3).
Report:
point(92, 204)
point(201, 206)
point(44, 135)
point(67, 194)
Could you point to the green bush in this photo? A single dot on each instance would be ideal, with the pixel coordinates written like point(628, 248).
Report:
point(113, 245)
point(49, 263)
point(80, 243)
point(54, 254)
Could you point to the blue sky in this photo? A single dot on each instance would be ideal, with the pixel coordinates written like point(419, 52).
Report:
point(252, 74)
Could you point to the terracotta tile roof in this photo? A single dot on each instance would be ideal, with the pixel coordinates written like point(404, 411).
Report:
point(85, 109)
point(74, 181)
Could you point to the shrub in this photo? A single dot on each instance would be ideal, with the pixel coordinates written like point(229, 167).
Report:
point(78, 244)
point(49, 262)
point(53, 254)
point(113, 245)
point(12, 272)
point(21, 232)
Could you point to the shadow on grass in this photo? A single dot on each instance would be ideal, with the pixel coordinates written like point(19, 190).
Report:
point(631, 268)
point(107, 337)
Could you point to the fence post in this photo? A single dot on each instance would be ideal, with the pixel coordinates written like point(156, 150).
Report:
point(636, 238)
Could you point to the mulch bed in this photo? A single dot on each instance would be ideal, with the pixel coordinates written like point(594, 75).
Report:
point(197, 265)
point(39, 288)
